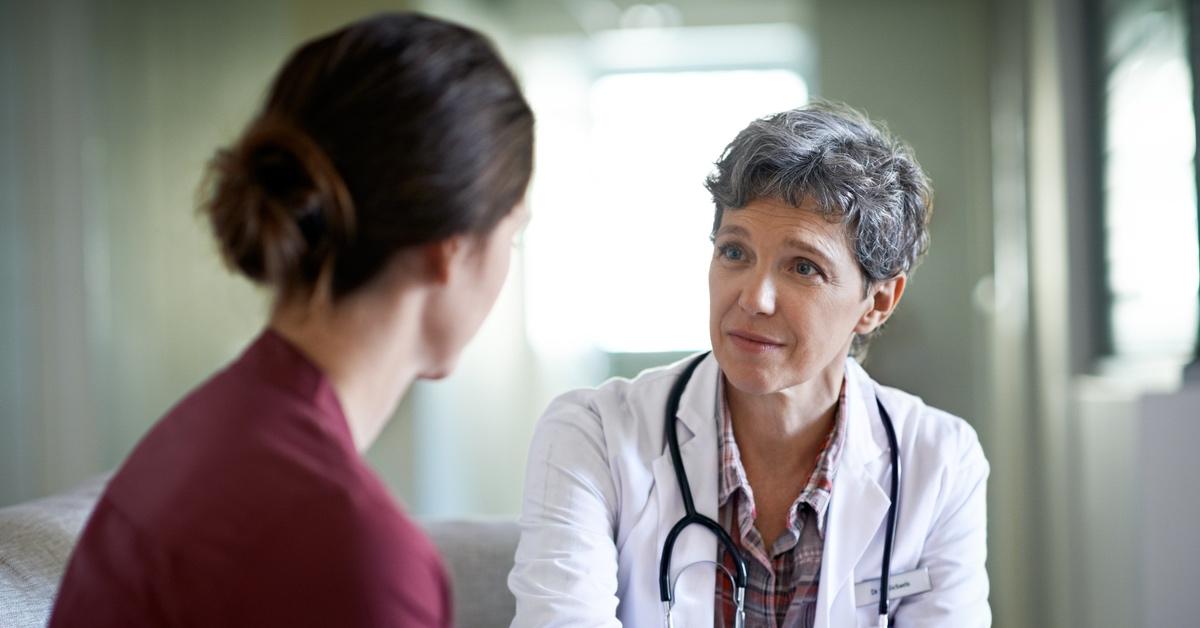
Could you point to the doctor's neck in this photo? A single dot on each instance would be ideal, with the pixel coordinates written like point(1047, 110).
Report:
point(788, 424)
point(369, 344)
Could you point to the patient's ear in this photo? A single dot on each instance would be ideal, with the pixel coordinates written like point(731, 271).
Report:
point(882, 300)
point(440, 258)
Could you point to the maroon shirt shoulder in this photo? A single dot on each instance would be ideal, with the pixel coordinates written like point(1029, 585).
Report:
point(247, 504)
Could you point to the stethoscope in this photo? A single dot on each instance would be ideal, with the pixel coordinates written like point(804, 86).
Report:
point(666, 587)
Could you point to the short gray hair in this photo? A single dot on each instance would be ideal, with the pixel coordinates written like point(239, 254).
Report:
point(856, 172)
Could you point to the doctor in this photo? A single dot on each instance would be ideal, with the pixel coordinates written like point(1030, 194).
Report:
point(789, 448)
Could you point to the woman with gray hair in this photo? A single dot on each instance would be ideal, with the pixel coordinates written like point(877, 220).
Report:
point(774, 457)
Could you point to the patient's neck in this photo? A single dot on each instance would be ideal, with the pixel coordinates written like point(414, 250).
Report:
point(368, 344)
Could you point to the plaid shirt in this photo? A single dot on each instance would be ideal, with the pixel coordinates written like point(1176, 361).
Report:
point(781, 586)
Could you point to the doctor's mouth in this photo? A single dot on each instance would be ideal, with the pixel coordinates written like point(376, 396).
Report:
point(753, 343)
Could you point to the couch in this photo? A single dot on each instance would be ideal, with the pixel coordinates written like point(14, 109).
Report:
point(36, 538)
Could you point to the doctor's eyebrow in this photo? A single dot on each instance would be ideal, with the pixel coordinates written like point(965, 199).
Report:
point(732, 230)
point(808, 248)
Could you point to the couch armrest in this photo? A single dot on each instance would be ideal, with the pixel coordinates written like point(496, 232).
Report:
point(479, 555)
point(36, 539)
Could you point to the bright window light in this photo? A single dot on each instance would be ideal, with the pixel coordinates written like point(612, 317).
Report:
point(1151, 195)
point(617, 254)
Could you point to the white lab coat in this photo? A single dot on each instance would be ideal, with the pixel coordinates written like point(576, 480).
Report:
point(601, 495)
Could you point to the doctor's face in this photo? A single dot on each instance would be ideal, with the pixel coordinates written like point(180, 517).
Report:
point(786, 297)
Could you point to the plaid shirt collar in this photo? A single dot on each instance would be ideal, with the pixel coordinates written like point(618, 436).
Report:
point(732, 475)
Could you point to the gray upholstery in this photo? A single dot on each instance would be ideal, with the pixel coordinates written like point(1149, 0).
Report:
point(36, 539)
point(479, 555)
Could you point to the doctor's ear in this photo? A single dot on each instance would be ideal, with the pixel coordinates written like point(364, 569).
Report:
point(882, 298)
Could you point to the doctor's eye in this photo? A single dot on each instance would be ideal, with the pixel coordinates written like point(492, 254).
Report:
point(806, 268)
point(731, 252)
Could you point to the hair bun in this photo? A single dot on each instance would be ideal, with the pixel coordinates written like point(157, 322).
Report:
point(277, 206)
point(414, 119)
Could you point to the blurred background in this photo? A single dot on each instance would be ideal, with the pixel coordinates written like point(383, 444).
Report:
point(1058, 300)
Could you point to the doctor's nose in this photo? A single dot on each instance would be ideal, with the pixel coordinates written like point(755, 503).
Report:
point(757, 295)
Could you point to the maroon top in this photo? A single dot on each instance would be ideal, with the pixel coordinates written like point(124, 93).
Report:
point(248, 505)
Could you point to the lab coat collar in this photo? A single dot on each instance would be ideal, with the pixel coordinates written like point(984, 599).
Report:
point(698, 405)
point(858, 503)
point(866, 439)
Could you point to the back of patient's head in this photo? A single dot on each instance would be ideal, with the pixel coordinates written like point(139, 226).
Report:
point(395, 131)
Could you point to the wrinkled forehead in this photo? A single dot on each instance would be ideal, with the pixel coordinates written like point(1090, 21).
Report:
point(796, 202)
point(780, 213)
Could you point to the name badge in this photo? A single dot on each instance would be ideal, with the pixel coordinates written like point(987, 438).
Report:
point(899, 585)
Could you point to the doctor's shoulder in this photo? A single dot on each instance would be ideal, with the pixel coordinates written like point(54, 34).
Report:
point(944, 472)
point(932, 435)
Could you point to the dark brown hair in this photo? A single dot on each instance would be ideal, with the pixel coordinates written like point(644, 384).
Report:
point(392, 132)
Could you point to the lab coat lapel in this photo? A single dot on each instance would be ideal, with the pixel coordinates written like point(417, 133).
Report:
point(858, 504)
point(697, 429)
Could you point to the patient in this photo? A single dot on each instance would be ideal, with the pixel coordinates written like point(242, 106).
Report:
point(376, 195)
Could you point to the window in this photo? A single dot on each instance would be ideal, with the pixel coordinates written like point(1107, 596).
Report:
point(1150, 230)
point(617, 256)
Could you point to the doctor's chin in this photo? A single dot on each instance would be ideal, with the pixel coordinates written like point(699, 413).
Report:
point(530, 313)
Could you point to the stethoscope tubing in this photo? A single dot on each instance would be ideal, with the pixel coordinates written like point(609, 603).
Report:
point(691, 517)
point(893, 509)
